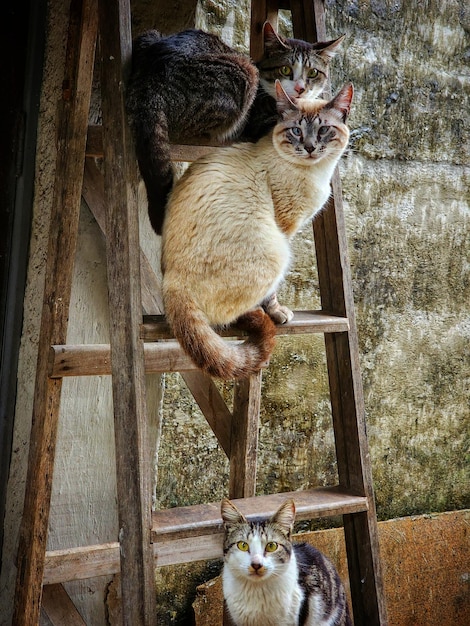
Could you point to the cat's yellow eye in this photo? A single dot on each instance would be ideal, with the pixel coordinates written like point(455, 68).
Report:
point(243, 546)
point(271, 546)
point(312, 73)
point(285, 70)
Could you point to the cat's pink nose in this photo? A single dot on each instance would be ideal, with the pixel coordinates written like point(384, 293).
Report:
point(299, 88)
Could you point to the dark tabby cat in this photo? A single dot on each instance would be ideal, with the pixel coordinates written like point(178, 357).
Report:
point(270, 581)
point(192, 86)
point(182, 88)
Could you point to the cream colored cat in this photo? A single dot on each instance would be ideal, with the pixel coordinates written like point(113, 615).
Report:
point(227, 231)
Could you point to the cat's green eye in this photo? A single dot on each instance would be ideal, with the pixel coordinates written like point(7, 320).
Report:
point(243, 546)
point(285, 70)
point(312, 73)
point(271, 546)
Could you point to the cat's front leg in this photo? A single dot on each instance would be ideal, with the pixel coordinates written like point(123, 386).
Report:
point(277, 312)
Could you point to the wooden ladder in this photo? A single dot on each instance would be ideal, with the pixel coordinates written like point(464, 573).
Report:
point(188, 533)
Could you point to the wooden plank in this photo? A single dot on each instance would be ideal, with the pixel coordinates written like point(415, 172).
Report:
point(346, 393)
point(95, 360)
point(71, 132)
point(187, 534)
point(155, 327)
point(192, 521)
point(244, 437)
point(127, 359)
point(179, 152)
point(261, 11)
point(59, 608)
point(80, 563)
point(212, 405)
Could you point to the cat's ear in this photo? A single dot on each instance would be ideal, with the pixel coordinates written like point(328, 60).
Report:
point(285, 516)
point(230, 513)
point(328, 49)
point(271, 38)
point(342, 101)
point(283, 102)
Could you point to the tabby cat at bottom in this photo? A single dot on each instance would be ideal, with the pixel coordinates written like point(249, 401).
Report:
point(230, 219)
point(270, 581)
point(191, 86)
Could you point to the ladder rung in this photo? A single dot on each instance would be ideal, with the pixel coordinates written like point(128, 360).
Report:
point(155, 326)
point(95, 359)
point(167, 356)
point(204, 519)
point(94, 147)
point(194, 533)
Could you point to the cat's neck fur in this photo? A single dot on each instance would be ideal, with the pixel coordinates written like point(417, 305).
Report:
point(267, 602)
point(299, 193)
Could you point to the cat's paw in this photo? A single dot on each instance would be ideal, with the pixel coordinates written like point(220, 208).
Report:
point(281, 315)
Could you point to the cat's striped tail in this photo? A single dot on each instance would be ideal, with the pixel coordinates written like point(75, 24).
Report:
point(212, 353)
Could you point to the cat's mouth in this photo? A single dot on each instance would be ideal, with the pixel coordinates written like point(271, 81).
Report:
point(257, 573)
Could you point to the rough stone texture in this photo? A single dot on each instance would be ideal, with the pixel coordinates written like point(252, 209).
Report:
point(426, 571)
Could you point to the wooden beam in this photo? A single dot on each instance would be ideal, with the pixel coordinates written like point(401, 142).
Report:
point(59, 608)
point(212, 406)
point(244, 437)
point(187, 534)
point(72, 119)
point(155, 327)
point(342, 351)
point(179, 152)
point(95, 359)
point(125, 307)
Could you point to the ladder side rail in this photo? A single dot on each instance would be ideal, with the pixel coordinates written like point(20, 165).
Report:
point(244, 436)
point(127, 360)
point(346, 392)
point(63, 231)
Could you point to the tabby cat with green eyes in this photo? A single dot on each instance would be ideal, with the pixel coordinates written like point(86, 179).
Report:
point(192, 87)
point(302, 69)
point(268, 580)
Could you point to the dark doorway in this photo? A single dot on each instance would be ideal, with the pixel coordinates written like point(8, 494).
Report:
point(22, 35)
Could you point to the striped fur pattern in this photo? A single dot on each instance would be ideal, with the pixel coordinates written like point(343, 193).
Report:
point(269, 580)
point(226, 242)
point(184, 88)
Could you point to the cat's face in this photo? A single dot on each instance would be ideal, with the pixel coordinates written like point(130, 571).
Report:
point(257, 550)
point(301, 67)
point(311, 130)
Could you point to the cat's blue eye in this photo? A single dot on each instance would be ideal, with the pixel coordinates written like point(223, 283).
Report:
point(271, 546)
point(296, 131)
point(243, 546)
point(285, 70)
point(322, 131)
